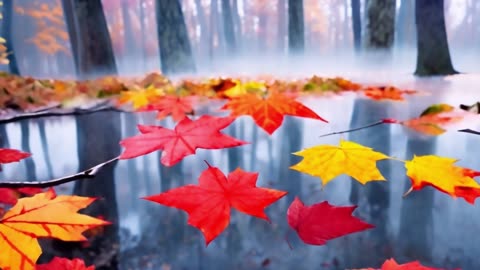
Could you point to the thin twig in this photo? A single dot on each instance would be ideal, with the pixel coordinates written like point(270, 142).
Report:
point(467, 130)
point(354, 129)
point(87, 174)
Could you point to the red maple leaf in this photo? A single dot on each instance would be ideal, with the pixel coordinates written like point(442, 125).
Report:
point(58, 263)
point(208, 204)
point(318, 223)
point(176, 106)
point(11, 155)
point(10, 195)
point(268, 112)
point(182, 141)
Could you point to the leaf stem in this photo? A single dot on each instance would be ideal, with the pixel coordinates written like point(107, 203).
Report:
point(383, 121)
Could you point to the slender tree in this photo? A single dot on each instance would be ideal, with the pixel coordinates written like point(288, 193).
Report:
point(7, 35)
point(228, 26)
point(433, 55)
point(175, 51)
point(405, 24)
point(379, 24)
point(356, 24)
point(296, 27)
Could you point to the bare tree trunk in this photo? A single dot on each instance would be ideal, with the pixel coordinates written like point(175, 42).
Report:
point(29, 163)
point(406, 24)
point(380, 24)
point(296, 27)
point(433, 55)
point(175, 51)
point(237, 22)
point(228, 29)
point(356, 24)
point(7, 35)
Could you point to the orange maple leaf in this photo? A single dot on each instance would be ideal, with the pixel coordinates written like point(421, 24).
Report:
point(43, 215)
point(442, 174)
point(268, 112)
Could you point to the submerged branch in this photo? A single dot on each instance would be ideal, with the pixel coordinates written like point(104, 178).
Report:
point(87, 174)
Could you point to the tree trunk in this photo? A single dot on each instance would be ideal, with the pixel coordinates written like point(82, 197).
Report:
point(29, 162)
point(89, 38)
point(237, 23)
point(416, 216)
point(228, 29)
point(282, 25)
point(131, 44)
point(406, 35)
point(379, 24)
point(175, 51)
point(356, 24)
point(433, 55)
point(296, 27)
point(7, 35)
point(376, 194)
point(98, 137)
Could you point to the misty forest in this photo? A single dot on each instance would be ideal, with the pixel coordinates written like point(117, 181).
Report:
point(239, 134)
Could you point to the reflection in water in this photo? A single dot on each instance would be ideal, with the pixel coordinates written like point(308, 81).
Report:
point(426, 225)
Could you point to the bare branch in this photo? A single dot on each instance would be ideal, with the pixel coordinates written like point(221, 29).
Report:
point(87, 174)
point(58, 112)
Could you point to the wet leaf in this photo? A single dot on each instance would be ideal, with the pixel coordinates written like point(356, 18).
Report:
point(43, 215)
point(330, 161)
point(318, 223)
point(182, 141)
point(208, 203)
point(58, 263)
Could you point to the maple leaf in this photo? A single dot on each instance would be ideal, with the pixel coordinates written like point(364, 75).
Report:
point(43, 215)
point(241, 88)
point(208, 203)
point(12, 155)
point(318, 223)
point(182, 141)
point(139, 97)
point(330, 161)
point(268, 112)
point(171, 105)
point(442, 174)
point(433, 119)
point(58, 263)
point(10, 195)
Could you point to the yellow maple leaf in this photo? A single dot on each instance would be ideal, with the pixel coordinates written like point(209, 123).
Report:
point(43, 215)
point(140, 97)
point(330, 161)
point(245, 88)
point(439, 172)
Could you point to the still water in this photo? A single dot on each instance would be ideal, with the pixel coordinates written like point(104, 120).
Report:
point(426, 225)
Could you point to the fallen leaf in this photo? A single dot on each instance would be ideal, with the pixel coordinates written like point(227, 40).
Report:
point(139, 97)
point(43, 215)
point(433, 120)
point(442, 174)
point(391, 264)
point(10, 195)
point(58, 263)
point(330, 161)
point(268, 112)
point(242, 88)
point(175, 106)
point(318, 223)
point(12, 155)
point(176, 144)
point(208, 204)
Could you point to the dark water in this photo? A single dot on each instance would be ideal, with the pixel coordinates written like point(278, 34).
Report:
point(426, 225)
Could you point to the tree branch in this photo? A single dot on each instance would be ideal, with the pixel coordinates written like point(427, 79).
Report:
point(87, 174)
point(58, 112)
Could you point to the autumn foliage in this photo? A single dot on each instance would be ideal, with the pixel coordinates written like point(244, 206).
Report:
point(209, 204)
